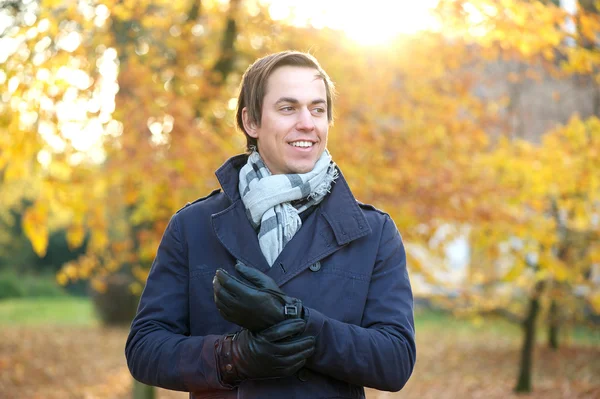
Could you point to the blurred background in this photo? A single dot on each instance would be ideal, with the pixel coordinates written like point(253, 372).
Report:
point(474, 123)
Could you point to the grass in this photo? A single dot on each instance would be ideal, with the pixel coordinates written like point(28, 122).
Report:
point(66, 310)
point(499, 328)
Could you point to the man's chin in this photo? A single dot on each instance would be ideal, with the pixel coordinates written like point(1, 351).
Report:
point(302, 168)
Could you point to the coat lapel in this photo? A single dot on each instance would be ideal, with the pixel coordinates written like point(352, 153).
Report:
point(231, 226)
point(313, 242)
point(237, 235)
point(337, 221)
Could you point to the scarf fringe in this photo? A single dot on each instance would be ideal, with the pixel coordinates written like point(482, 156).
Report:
point(325, 187)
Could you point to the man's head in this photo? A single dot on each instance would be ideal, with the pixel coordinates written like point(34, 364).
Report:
point(285, 108)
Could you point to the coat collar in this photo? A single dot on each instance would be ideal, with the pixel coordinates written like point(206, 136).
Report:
point(337, 221)
point(229, 176)
point(340, 209)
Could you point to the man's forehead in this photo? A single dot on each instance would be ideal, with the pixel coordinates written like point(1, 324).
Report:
point(294, 79)
point(296, 70)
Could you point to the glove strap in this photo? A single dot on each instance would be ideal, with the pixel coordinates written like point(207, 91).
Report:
point(225, 361)
point(293, 309)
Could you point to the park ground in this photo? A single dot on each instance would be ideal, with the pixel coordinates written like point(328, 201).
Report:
point(55, 348)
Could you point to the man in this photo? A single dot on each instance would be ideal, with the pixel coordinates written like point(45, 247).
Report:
point(281, 285)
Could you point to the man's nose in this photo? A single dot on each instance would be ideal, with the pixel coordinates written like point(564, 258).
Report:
point(305, 120)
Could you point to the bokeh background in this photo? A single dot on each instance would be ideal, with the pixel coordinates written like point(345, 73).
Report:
point(474, 123)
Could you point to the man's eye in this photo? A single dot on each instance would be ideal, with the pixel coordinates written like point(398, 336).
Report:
point(287, 108)
point(319, 110)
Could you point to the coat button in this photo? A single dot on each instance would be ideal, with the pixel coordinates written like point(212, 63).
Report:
point(303, 375)
point(315, 267)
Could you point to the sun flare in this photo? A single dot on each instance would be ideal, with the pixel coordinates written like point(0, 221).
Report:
point(374, 23)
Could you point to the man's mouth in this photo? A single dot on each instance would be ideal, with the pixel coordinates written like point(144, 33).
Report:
point(302, 144)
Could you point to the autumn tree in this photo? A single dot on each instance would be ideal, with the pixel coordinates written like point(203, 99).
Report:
point(156, 83)
point(119, 111)
point(542, 236)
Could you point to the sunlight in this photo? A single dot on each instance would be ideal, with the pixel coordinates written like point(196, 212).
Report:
point(74, 124)
point(373, 24)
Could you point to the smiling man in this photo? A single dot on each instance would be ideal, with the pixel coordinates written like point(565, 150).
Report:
point(281, 284)
point(292, 131)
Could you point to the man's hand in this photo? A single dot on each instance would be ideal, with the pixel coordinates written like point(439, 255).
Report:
point(268, 354)
point(254, 302)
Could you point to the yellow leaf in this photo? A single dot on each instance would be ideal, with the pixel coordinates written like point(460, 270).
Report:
point(140, 273)
point(99, 240)
point(35, 226)
point(51, 3)
point(135, 288)
point(515, 272)
point(595, 301)
point(70, 271)
point(561, 273)
point(98, 285)
point(62, 279)
point(75, 236)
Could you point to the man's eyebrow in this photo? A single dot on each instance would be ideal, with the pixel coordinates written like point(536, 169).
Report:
point(292, 100)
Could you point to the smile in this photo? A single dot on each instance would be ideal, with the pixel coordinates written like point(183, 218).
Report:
point(302, 144)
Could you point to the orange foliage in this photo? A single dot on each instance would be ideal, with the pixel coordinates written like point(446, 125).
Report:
point(158, 80)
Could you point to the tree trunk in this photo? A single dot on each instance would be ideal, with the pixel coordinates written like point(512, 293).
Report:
point(224, 65)
point(194, 12)
point(141, 391)
point(596, 101)
point(524, 381)
point(226, 61)
point(553, 325)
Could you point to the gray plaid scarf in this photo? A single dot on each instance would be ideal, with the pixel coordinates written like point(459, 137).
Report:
point(274, 202)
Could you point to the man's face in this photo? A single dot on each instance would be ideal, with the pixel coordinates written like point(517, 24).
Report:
point(293, 130)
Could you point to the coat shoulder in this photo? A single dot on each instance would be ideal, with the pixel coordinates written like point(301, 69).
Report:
point(376, 218)
point(200, 200)
point(369, 207)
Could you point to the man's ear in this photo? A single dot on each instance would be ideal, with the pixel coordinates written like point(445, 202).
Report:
point(249, 125)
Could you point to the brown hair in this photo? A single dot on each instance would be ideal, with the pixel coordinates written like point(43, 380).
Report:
point(254, 86)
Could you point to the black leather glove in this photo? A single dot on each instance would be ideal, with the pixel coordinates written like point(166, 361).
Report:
point(272, 353)
point(255, 301)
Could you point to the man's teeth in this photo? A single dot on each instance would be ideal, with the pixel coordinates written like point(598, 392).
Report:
point(304, 144)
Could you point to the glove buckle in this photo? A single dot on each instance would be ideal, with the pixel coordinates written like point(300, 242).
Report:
point(291, 311)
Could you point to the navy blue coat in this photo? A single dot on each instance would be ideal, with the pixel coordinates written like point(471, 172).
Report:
point(347, 264)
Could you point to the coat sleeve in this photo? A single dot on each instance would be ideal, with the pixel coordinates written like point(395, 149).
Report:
point(381, 353)
point(159, 350)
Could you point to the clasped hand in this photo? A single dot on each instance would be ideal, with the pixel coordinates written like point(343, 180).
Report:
point(255, 301)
